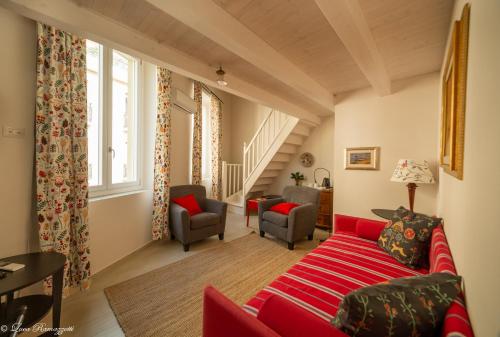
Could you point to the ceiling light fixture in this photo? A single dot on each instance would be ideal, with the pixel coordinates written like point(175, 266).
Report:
point(220, 76)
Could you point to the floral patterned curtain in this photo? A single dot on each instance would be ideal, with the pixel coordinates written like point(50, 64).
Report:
point(61, 152)
point(197, 141)
point(163, 142)
point(216, 135)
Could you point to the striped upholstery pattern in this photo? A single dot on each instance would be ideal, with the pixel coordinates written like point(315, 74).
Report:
point(456, 322)
point(346, 262)
point(339, 265)
point(440, 259)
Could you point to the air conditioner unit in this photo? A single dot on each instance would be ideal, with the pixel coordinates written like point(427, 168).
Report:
point(183, 101)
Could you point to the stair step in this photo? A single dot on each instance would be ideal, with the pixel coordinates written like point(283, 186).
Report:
point(294, 140)
point(282, 157)
point(270, 173)
point(302, 130)
point(259, 188)
point(264, 181)
point(288, 148)
point(275, 165)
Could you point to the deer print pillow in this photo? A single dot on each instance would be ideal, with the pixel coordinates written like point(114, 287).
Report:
point(409, 306)
point(406, 237)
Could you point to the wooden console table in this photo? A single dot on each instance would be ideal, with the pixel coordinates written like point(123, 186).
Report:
point(325, 211)
point(38, 266)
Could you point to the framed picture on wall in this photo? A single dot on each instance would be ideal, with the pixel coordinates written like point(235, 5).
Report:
point(453, 98)
point(361, 158)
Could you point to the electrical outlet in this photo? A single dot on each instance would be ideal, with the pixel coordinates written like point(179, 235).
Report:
point(9, 131)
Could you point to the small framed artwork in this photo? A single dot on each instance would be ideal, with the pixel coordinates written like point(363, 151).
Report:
point(361, 158)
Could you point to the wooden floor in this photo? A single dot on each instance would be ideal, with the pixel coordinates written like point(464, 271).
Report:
point(89, 313)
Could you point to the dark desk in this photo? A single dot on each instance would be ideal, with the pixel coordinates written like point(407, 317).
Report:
point(38, 266)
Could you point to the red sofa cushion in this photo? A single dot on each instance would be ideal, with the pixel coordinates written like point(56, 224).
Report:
point(284, 207)
point(456, 321)
point(319, 281)
point(369, 229)
point(189, 203)
point(290, 320)
point(440, 259)
point(345, 223)
point(223, 318)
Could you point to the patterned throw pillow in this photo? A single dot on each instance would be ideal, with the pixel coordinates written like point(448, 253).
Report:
point(407, 237)
point(424, 259)
point(412, 306)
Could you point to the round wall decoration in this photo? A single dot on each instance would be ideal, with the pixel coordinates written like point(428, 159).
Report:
point(306, 159)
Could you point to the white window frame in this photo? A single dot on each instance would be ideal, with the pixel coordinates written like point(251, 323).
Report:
point(107, 188)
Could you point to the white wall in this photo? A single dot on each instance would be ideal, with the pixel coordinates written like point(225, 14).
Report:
point(17, 106)
point(181, 134)
point(320, 145)
point(246, 118)
point(127, 219)
point(403, 125)
point(470, 206)
point(118, 225)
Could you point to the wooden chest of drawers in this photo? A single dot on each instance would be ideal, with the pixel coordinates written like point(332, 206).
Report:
point(325, 211)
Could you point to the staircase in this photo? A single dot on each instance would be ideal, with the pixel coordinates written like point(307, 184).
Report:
point(277, 139)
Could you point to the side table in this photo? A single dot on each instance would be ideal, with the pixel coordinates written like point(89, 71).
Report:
point(38, 266)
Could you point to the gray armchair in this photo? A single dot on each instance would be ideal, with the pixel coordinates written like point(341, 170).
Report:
point(188, 229)
point(299, 223)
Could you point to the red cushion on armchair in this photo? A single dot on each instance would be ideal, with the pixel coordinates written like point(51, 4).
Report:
point(189, 203)
point(284, 207)
point(290, 320)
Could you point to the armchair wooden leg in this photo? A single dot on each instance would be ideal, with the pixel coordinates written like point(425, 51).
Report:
point(262, 234)
point(310, 237)
point(291, 245)
point(186, 247)
point(221, 236)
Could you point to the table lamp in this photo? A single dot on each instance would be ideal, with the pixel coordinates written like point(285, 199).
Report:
point(412, 172)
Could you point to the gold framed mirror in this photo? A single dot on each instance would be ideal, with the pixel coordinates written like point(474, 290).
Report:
point(454, 85)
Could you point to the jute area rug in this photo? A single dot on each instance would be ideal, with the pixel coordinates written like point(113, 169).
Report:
point(168, 301)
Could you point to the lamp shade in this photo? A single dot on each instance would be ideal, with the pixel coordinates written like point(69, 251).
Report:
point(412, 171)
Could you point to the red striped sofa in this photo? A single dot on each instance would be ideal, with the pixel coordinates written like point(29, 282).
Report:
point(302, 301)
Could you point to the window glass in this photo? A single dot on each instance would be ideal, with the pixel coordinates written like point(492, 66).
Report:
point(123, 145)
point(94, 112)
point(112, 118)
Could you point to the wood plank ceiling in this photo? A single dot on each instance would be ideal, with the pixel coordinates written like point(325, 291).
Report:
point(410, 35)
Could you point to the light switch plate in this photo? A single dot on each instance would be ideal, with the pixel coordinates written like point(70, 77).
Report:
point(9, 131)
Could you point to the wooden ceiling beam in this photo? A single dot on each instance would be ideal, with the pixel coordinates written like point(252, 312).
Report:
point(215, 23)
point(348, 21)
point(66, 15)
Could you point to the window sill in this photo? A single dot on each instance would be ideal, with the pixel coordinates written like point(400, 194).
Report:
point(116, 195)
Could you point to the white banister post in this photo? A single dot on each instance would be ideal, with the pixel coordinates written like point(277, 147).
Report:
point(244, 160)
point(238, 187)
point(224, 180)
point(244, 174)
point(233, 179)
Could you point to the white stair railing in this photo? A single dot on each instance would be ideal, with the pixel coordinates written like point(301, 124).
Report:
point(262, 142)
point(232, 179)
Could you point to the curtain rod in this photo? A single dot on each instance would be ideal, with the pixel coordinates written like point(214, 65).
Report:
point(204, 86)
